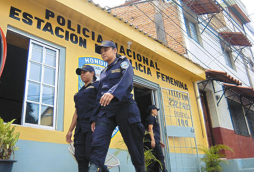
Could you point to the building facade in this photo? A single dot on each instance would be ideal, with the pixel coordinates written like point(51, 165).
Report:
point(213, 35)
point(47, 40)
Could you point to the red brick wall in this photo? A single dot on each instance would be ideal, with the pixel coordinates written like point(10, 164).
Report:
point(242, 145)
point(136, 16)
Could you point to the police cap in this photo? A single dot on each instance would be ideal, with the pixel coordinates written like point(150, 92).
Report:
point(104, 44)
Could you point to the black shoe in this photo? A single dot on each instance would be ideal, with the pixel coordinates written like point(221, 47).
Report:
point(104, 169)
point(93, 168)
point(141, 169)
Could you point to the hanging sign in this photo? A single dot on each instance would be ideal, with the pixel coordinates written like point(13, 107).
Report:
point(3, 51)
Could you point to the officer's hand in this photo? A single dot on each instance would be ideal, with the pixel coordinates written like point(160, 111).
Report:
point(93, 126)
point(162, 144)
point(153, 143)
point(68, 137)
point(106, 99)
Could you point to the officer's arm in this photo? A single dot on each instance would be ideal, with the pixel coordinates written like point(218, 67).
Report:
point(97, 105)
point(119, 89)
point(72, 126)
point(150, 129)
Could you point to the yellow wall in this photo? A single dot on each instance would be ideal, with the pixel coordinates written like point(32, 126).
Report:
point(87, 15)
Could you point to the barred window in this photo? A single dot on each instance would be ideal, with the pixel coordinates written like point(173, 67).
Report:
point(238, 118)
point(192, 30)
point(250, 119)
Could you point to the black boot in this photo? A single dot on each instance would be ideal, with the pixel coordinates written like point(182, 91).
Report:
point(93, 168)
point(104, 169)
point(140, 169)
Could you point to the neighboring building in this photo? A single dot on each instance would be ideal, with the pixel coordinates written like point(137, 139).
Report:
point(213, 34)
point(47, 40)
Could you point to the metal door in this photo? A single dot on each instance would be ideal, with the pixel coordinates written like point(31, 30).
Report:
point(181, 140)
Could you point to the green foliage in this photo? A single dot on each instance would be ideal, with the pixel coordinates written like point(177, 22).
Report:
point(149, 157)
point(213, 157)
point(8, 139)
point(148, 154)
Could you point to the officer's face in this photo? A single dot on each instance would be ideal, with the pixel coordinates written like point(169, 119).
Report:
point(108, 54)
point(154, 112)
point(86, 76)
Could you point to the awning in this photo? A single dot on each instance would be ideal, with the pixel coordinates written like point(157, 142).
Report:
point(239, 13)
point(246, 92)
point(235, 38)
point(221, 76)
point(203, 6)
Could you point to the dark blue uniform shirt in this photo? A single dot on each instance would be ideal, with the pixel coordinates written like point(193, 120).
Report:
point(85, 101)
point(117, 79)
point(151, 120)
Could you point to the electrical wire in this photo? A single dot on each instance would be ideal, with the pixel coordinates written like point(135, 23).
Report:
point(188, 38)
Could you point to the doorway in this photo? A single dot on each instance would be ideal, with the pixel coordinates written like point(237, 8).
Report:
point(207, 117)
point(143, 97)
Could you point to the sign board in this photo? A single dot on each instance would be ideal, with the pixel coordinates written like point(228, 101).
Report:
point(3, 51)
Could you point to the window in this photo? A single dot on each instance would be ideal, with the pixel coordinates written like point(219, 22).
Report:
point(238, 118)
point(41, 84)
point(29, 88)
point(192, 30)
point(227, 56)
point(227, 53)
point(250, 119)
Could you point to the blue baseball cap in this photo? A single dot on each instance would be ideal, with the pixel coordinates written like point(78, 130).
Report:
point(150, 107)
point(85, 68)
point(104, 44)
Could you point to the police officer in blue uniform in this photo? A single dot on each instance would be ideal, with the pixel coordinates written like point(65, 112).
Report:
point(84, 106)
point(116, 107)
point(152, 140)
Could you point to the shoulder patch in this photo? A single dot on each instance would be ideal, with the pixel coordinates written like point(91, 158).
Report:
point(124, 65)
point(90, 87)
point(122, 57)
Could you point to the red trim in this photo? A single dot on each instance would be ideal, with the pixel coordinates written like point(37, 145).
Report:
point(243, 146)
point(4, 51)
point(222, 76)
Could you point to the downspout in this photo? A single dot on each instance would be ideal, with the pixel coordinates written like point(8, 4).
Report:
point(199, 108)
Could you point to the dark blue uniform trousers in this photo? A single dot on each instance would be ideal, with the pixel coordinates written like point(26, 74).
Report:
point(157, 151)
point(127, 118)
point(82, 144)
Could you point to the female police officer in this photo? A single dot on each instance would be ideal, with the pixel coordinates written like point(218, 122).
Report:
point(116, 107)
point(84, 104)
point(152, 126)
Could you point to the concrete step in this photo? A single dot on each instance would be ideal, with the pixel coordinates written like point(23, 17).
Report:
point(247, 170)
point(246, 163)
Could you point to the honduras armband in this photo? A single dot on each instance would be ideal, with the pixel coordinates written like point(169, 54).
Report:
point(124, 65)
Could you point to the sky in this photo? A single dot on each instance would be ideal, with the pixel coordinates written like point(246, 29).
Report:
point(111, 3)
point(249, 4)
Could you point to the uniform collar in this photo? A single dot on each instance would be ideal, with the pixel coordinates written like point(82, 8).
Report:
point(84, 87)
point(113, 63)
point(90, 83)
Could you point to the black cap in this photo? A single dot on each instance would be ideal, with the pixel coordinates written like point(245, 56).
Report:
point(150, 107)
point(85, 68)
point(104, 44)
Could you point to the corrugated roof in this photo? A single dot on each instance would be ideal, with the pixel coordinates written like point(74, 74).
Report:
point(246, 92)
point(236, 38)
point(203, 6)
point(222, 76)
